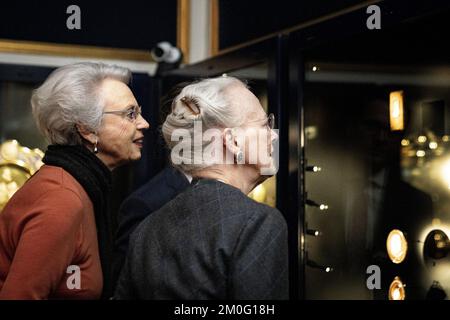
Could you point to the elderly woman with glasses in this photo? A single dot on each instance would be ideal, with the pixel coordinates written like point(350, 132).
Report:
point(212, 241)
point(55, 232)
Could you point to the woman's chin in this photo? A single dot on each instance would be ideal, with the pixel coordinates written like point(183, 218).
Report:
point(136, 156)
point(136, 151)
point(268, 169)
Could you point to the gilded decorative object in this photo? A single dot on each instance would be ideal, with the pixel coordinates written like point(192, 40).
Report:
point(265, 192)
point(17, 165)
point(397, 290)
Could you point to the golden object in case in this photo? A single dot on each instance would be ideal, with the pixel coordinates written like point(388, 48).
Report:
point(17, 165)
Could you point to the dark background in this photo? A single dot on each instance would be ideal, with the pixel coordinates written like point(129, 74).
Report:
point(241, 21)
point(118, 24)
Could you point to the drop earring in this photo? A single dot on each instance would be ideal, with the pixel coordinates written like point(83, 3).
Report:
point(95, 145)
point(239, 156)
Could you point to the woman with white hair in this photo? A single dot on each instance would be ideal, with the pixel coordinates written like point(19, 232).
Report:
point(212, 241)
point(55, 232)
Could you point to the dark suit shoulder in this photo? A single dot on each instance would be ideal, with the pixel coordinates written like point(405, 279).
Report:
point(168, 179)
point(208, 235)
point(156, 192)
point(210, 202)
point(232, 198)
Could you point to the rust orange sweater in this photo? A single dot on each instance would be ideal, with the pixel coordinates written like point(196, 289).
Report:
point(47, 226)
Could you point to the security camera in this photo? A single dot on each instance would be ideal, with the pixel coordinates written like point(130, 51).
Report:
point(165, 52)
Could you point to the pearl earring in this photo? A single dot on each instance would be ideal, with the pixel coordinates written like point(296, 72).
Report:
point(95, 146)
point(240, 156)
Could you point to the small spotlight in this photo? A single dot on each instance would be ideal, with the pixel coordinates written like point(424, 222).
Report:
point(445, 138)
point(397, 290)
point(312, 232)
point(397, 246)
point(315, 265)
point(422, 139)
point(165, 52)
point(433, 145)
point(420, 153)
point(312, 203)
point(315, 68)
point(405, 142)
point(313, 168)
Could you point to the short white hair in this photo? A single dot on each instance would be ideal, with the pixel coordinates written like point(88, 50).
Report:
point(207, 101)
point(69, 97)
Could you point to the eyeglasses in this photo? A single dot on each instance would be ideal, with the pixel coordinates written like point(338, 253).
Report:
point(131, 114)
point(271, 121)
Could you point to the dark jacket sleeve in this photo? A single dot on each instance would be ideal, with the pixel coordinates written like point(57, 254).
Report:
point(125, 289)
point(259, 267)
point(140, 204)
point(132, 211)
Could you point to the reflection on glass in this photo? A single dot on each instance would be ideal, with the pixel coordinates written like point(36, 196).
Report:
point(16, 119)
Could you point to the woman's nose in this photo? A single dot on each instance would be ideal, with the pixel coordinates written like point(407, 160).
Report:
point(273, 135)
point(142, 124)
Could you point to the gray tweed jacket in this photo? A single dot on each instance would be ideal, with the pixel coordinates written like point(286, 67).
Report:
point(210, 242)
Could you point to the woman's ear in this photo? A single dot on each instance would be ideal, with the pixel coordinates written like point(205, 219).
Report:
point(86, 134)
point(229, 141)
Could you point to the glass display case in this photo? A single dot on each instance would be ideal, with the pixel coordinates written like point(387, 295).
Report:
point(21, 144)
point(376, 122)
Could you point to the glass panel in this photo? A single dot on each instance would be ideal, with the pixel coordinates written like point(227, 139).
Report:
point(21, 145)
point(377, 123)
point(16, 119)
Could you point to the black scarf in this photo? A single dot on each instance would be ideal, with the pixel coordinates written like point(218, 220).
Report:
point(95, 178)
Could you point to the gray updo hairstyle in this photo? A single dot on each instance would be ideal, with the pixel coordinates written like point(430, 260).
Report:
point(71, 96)
point(206, 101)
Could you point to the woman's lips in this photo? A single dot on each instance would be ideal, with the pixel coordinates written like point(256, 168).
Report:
point(139, 142)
